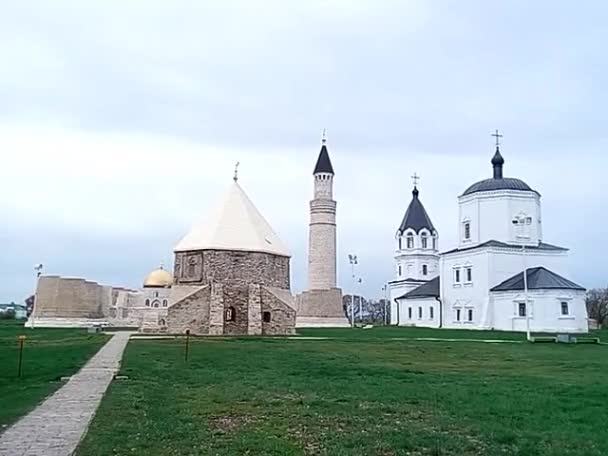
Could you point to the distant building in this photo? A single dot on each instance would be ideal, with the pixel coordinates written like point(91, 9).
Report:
point(20, 311)
point(480, 284)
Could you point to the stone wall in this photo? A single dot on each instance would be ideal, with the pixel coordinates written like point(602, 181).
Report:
point(254, 327)
point(282, 315)
point(322, 245)
point(320, 303)
point(191, 312)
point(70, 298)
point(231, 268)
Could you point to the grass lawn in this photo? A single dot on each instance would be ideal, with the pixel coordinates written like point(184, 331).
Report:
point(372, 396)
point(48, 355)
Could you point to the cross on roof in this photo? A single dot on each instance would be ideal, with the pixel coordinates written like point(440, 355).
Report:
point(497, 136)
point(236, 171)
point(324, 137)
point(415, 179)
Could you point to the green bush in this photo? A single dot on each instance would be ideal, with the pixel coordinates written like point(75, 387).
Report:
point(8, 314)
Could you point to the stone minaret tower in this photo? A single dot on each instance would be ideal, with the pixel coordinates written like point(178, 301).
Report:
point(322, 233)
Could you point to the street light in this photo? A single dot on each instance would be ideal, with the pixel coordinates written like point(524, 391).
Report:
point(352, 259)
point(521, 223)
point(385, 296)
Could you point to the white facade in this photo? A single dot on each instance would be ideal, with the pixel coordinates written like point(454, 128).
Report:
point(500, 235)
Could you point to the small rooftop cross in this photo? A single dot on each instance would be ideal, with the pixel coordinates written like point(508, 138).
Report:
point(497, 136)
point(324, 137)
point(415, 179)
point(236, 171)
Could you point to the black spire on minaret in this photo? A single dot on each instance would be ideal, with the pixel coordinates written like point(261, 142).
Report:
point(323, 162)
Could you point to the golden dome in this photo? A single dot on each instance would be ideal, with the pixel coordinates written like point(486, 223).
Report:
point(158, 278)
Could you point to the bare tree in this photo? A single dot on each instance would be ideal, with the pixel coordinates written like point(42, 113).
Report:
point(597, 305)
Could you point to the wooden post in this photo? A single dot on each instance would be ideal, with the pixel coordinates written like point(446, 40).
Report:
point(187, 344)
point(21, 342)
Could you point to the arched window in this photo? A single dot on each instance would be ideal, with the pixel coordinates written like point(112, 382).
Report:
point(147, 303)
point(156, 304)
point(156, 294)
point(162, 322)
point(400, 243)
point(434, 243)
point(419, 313)
point(409, 313)
point(466, 229)
point(399, 270)
point(410, 241)
point(230, 314)
point(266, 317)
point(425, 269)
point(164, 303)
point(424, 240)
point(431, 312)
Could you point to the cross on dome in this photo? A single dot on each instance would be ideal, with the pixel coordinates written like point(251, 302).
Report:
point(497, 136)
point(236, 172)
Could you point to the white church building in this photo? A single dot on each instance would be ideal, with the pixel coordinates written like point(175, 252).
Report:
point(481, 284)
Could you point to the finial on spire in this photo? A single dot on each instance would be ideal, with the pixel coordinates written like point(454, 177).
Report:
point(497, 136)
point(236, 172)
point(415, 179)
point(162, 265)
point(324, 137)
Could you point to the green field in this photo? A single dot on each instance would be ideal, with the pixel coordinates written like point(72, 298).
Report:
point(49, 354)
point(360, 393)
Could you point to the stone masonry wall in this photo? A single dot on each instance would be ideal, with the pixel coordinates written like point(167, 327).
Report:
point(192, 313)
point(254, 327)
point(216, 310)
point(232, 267)
point(320, 303)
point(282, 316)
point(322, 245)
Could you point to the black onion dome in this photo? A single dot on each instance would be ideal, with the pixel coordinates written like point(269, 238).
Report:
point(416, 217)
point(498, 182)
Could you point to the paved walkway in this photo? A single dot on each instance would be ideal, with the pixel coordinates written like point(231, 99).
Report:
point(56, 426)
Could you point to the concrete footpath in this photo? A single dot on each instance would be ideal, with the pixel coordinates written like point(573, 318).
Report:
point(56, 426)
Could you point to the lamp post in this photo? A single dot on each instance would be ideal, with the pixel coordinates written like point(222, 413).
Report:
point(384, 295)
point(352, 259)
point(521, 223)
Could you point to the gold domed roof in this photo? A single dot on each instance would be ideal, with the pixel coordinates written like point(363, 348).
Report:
point(158, 278)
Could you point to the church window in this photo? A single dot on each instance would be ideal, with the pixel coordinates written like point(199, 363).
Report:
point(399, 270)
point(522, 309)
point(457, 314)
point(229, 314)
point(431, 312)
point(424, 240)
point(419, 313)
point(409, 313)
point(266, 317)
point(164, 303)
point(410, 241)
point(162, 322)
point(469, 274)
point(155, 304)
point(156, 294)
point(565, 310)
point(456, 275)
point(192, 268)
point(470, 314)
point(434, 243)
point(400, 243)
point(467, 230)
point(147, 303)
point(425, 269)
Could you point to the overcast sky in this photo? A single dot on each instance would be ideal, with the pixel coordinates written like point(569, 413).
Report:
point(120, 123)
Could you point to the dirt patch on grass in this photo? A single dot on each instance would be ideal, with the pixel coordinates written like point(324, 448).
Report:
point(224, 424)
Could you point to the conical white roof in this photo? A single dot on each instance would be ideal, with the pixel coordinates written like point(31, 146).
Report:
point(235, 224)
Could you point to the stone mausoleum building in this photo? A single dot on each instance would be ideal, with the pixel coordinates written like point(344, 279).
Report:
point(231, 276)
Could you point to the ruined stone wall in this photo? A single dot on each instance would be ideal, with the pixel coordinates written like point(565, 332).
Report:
point(231, 267)
point(282, 315)
point(254, 308)
point(70, 298)
point(191, 312)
